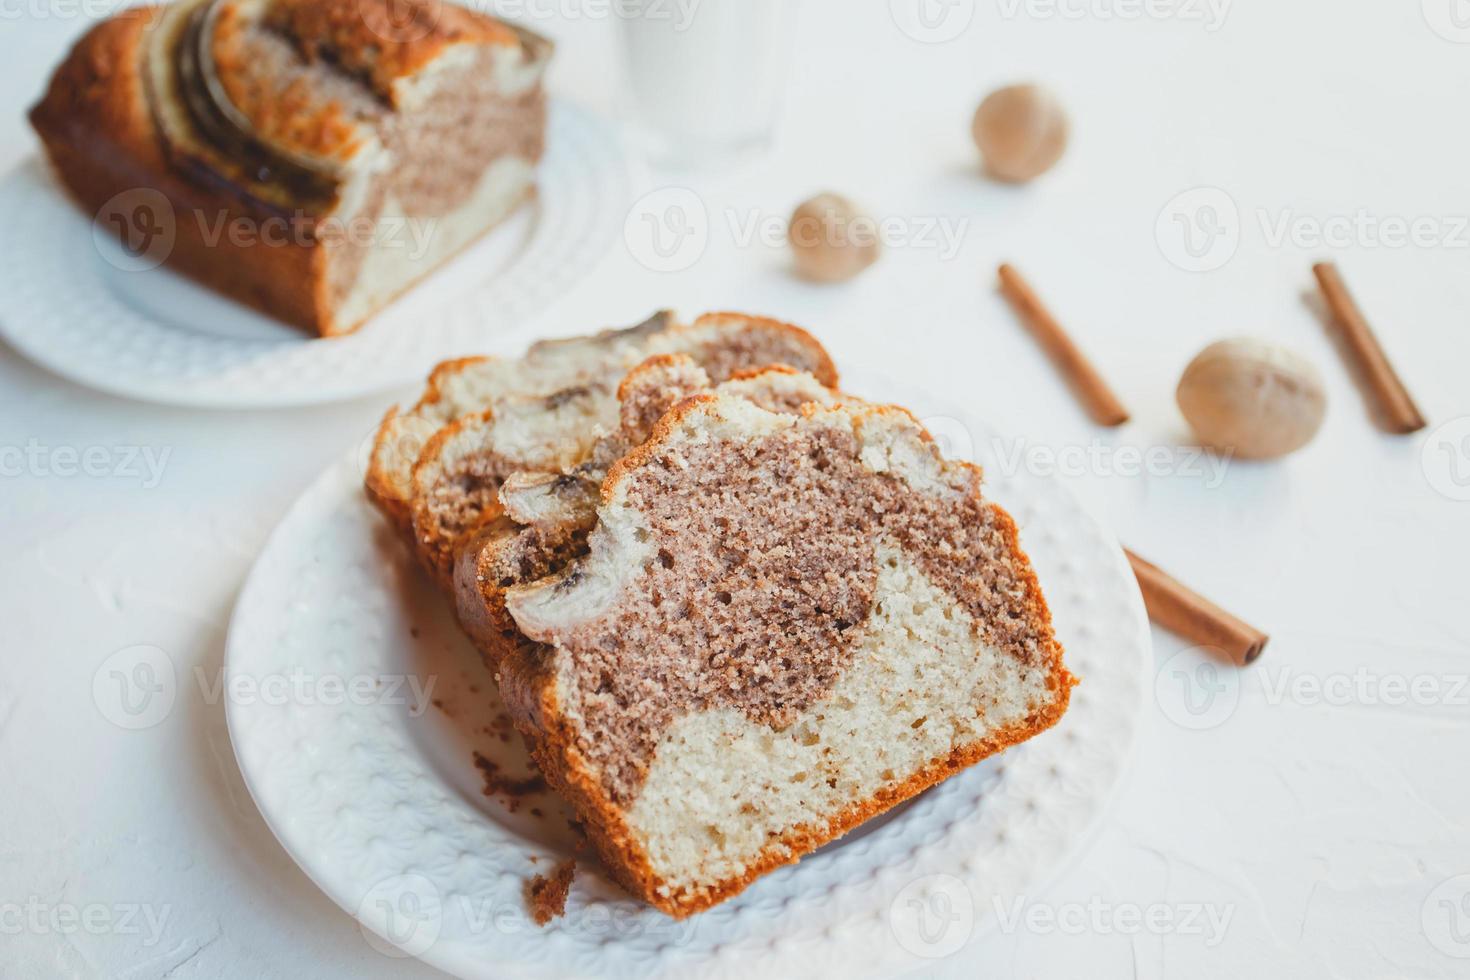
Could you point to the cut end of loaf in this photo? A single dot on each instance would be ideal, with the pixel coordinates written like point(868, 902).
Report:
point(784, 625)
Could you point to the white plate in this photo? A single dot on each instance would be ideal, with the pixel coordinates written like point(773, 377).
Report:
point(74, 301)
point(384, 809)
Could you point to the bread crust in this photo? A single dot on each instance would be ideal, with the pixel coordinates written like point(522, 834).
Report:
point(377, 483)
point(528, 686)
point(485, 620)
point(434, 387)
point(101, 138)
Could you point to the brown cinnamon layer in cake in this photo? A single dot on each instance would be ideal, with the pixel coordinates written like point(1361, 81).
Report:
point(649, 391)
point(774, 577)
point(441, 152)
point(445, 145)
point(468, 497)
point(730, 356)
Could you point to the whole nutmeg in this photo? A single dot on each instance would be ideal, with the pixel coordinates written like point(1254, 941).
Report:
point(1021, 131)
point(831, 239)
point(1253, 398)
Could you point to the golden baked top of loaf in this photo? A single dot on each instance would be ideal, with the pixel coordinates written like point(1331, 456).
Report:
point(316, 75)
point(382, 40)
point(287, 101)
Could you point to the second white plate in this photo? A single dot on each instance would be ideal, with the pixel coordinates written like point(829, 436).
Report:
point(73, 301)
point(376, 795)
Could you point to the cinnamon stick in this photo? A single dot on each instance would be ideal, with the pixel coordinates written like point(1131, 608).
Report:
point(1089, 387)
point(1192, 616)
point(1398, 409)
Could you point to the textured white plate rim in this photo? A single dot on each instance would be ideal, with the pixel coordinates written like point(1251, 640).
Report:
point(585, 183)
point(469, 960)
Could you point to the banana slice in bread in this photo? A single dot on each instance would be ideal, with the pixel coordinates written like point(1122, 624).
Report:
point(783, 625)
point(482, 420)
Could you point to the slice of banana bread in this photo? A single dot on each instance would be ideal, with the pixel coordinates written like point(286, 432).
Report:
point(783, 625)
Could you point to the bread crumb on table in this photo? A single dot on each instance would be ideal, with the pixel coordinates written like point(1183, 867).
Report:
point(509, 789)
point(546, 897)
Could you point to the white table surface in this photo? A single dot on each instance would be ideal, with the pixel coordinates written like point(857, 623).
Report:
point(1313, 806)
